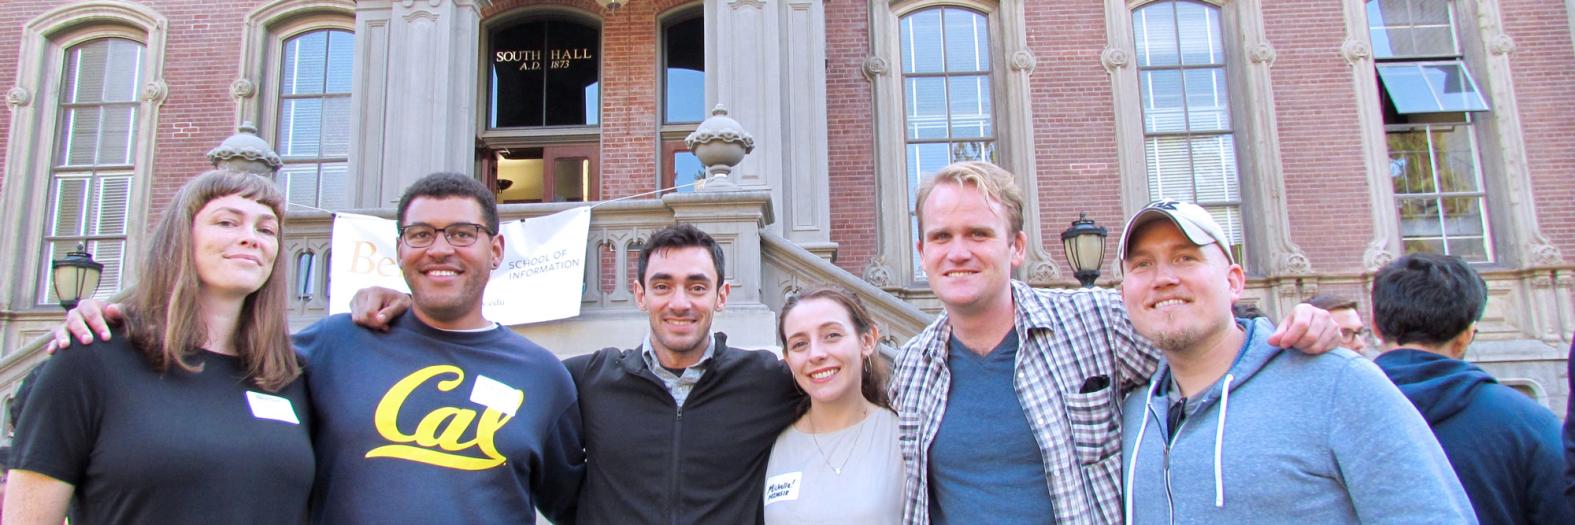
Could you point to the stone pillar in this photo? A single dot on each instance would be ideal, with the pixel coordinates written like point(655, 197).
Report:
point(414, 94)
point(778, 92)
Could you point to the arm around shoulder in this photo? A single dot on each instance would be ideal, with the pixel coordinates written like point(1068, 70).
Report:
point(1378, 436)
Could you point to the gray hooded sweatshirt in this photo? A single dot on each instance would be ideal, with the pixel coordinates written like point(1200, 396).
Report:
point(1286, 437)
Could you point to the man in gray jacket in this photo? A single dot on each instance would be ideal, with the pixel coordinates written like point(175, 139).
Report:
point(1234, 430)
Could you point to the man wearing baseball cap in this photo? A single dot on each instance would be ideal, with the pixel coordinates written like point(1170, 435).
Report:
point(1232, 429)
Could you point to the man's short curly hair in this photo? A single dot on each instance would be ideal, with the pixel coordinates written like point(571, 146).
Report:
point(442, 185)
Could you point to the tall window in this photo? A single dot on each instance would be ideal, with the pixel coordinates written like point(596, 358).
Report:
point(90, 183)
point(543, 110)
point(314, 118)
point(683, 96)
point(1188, 142)
point(946, 93)
point(1429, 99)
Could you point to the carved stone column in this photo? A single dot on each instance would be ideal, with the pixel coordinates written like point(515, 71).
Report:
point(414, 95)
point(778, 92)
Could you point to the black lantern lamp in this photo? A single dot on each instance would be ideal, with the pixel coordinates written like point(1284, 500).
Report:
point(1085, 248)
point(75, 276)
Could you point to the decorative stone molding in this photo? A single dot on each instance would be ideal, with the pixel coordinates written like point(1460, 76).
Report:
point(155, 91)
point(1043, 273)
point(1501, 44)
point(242, 88)
point(245, 151)
point(1355, 51)
point(1542, 281)
point(1263, 53)
point(874, 67)
point(1543, 254)
point(428, 15)
point(18, 96)
point(757, 4)
point(1023, 60)
point(1114, 58)
point(877, 272)
point(720, 128)
point(1294, 263)
point(1376, 255)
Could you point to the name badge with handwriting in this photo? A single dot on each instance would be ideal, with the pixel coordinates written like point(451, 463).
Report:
point(276, 408)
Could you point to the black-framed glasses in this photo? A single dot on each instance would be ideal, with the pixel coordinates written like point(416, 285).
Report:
point(1347, 334)
point(458, 234)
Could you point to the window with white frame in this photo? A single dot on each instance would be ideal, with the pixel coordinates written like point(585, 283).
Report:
point(94, 159)
point(1429, 99)
point(313, 132)
point(946, 94)
point(1189, 143)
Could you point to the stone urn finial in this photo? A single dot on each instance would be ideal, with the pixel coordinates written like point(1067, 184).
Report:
point(247, 152)
point(720, 143)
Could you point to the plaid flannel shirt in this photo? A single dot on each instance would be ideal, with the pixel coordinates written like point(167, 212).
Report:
point(1067, 339)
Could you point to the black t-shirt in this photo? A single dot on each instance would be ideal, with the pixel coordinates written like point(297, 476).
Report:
point(144, 447)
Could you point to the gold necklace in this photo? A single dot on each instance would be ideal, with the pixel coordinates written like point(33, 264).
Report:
point(826, 458)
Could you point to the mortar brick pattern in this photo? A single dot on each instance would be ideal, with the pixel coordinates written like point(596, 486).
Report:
point(1070, 94)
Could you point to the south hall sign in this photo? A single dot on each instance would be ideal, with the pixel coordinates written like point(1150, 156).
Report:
point(531, 59)
point(545, 72)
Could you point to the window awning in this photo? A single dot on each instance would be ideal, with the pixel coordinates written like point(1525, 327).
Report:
point(1431, 87)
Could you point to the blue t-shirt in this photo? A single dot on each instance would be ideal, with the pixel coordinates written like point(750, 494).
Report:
point(985, 465)
point(420, 425)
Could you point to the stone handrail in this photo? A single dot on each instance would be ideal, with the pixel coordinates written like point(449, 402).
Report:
point(790, 268)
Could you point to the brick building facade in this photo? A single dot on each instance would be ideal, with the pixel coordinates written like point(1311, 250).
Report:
point(1068, 95)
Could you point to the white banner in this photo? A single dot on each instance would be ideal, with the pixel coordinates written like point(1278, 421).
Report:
point(540, 279)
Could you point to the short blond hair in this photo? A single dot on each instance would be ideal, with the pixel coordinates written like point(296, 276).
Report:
point(995, 183)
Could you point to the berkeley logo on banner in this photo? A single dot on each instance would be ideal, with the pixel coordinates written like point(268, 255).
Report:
point(540, 278)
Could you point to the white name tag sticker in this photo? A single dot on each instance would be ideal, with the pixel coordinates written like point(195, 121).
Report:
point(783, 487)
point(495, 395)
point(265, 406)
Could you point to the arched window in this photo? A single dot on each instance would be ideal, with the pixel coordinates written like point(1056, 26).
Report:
point(543, 108)
point(946, 93)
point(1189, 144)
point(313, 133)
point(94, 158)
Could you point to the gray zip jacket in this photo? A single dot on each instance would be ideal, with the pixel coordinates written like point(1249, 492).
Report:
point(1286, 437)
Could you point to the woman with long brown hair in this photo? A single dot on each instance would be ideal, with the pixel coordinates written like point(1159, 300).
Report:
point(839, 462)
point(192, 413)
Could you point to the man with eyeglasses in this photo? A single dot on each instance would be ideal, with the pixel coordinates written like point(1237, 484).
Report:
point(1353, 334)
point(444, 417)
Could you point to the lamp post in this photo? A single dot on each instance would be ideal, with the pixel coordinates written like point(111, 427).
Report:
point(1084, 243)
point(76, 276)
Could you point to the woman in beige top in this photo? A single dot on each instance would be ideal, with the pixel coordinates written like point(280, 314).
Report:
point(839, 462)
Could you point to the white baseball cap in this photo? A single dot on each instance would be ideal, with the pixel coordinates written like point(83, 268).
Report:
point(1193, 221)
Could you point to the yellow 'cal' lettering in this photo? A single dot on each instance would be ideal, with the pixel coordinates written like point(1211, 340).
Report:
point(441, 428)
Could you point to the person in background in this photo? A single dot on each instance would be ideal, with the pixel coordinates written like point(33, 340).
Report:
point(1246, 311)
point(1353, 334)
point(193, 411)
point(839, 461)
point(1504, 447)
point(1569, 433)
point(1233, 429)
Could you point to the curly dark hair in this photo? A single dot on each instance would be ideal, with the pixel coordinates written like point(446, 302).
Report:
point(440, 185)
point(680, 236)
